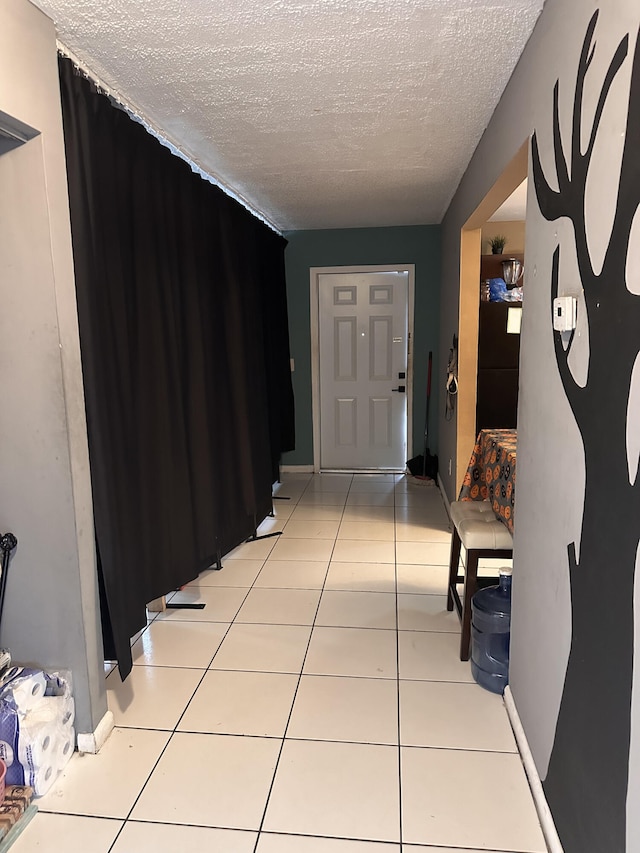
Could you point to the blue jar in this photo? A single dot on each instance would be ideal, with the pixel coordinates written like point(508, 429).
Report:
point(490, 634)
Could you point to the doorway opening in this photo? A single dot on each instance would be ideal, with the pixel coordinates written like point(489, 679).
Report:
point(362, 370)
point(476, 232)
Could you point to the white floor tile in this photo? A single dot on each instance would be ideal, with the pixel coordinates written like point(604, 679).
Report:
point(357, 609)
point(152, 697)
point(241, 703)
point(303, 549)
point(272, 843)
point(106, 784)
point(380, 486)
point(280, 606)
point(453, 716)
point(310, 528)
point(368, 530)
point(418, 848)
point(283, 509)
point(361, 710)
point(210, 780)
point(317, 513)
point(370, 499)
point(430, 656)
point(424, 553)
point(233, 573)
point(221, 603)
point(263, 648)
point(436, 777)
point(352, 651)
point(426, 613)
point(137, 837)
point(420, 579)
point(428, 532)
point(330, 482)
point(346, 790)
point(293, 574)
point(369, 513)
point(366, 577)
point(62, 833)
point(256, 550)
point(322, 498)
point(171, 643)
point(353, 551)
point(270, 525)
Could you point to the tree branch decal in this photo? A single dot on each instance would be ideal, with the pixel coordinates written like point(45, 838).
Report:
point(586, 784)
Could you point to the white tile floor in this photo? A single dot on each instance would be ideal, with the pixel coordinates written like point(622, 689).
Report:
point(316, 705)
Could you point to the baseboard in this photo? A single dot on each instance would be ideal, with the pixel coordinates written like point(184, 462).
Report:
point(542, 807)
point(296, 469)
point(444, 494)
point(93, 741)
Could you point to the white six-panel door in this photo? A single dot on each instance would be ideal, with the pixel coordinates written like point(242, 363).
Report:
point(363, 327)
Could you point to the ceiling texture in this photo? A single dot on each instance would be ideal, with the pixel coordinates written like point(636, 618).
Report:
point(318, 113)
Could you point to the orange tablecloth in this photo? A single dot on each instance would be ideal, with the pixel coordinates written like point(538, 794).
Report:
point(491, 474)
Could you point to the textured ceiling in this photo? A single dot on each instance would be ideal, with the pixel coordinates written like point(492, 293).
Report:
point(320, 113)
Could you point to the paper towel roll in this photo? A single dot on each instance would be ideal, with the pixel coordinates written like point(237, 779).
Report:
point(37, 741)
point(65, 747)
point(41, 779)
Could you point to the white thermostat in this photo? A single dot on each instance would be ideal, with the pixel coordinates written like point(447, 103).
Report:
point(565, 313)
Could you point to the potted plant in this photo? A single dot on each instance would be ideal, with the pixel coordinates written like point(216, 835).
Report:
point(497, 244)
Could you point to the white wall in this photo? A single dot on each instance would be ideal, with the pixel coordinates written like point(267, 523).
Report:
point(51, 616)
point(551, 468)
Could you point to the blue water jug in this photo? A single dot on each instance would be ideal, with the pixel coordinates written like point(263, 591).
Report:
point(490, 634)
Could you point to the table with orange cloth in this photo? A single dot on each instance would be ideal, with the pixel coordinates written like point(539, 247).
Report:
point(491, 474)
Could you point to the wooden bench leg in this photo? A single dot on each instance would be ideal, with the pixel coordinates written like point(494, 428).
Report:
point(453, 566)
point(470, 586)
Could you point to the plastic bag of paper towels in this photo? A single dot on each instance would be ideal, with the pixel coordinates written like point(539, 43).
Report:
point(37, 737)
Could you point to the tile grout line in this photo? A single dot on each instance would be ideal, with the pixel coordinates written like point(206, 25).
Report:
point(395, 567)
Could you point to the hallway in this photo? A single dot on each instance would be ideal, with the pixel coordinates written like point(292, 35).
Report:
point(317, 704)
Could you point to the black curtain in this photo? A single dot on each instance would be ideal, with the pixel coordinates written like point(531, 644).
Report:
point(185, 353)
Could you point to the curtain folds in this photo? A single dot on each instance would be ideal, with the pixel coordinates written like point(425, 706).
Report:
point(184, 337)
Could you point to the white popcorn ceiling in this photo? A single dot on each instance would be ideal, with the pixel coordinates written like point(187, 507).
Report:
point(320, 113)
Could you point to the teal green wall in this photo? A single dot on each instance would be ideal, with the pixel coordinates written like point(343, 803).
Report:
point(416, 244)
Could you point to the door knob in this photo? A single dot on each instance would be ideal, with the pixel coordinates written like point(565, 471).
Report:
point(401, 388)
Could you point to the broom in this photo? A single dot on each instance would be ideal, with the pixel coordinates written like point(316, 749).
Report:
point(418, 465)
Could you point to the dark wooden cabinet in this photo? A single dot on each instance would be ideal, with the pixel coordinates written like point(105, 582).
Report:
point(498, 357)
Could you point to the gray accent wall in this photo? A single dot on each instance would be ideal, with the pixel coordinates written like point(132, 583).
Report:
point(418, 245)
point(51, 615)
point(551, 469)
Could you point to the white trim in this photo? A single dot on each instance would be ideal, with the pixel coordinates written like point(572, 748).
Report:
point(94, 741)
point(314, 273)
point(542, 807)
point(296, 469)
point(445, 497)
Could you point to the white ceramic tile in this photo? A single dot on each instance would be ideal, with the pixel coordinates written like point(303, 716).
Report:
point(424, 553)
point(256, 550)
point(270, 525)
point(293, 574)
point(303, 549)
point(280, 606)
point(106, 784)
point(221, 603)
point(368, 530)
point(370, 499)
point(361, 710)
point(420, 579)
point(367, 577)
point(330, 482)
point(322, 498)
point(233, 573)
point(273, 843)
point(428, 532)
point(359, 486)
point(151, 697)
point(430, 656)
point(357, 609)
point(426, 613)
point(137, 837)
point(436, 777)
point(310, 528)
point(352, 651)
point(350, 551)
point(283, 509)
point(210, 780)
point(346, 790)
point(369, 513)
point(263, 648)
point(317, 513)
point(61, 833)
point(241, 703)
point(187, 644)
point(434, 514)
point(418, 848)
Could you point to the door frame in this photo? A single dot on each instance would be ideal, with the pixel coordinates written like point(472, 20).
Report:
point(314, 277)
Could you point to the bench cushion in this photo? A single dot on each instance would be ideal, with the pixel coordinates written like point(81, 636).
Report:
point(478, 527)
